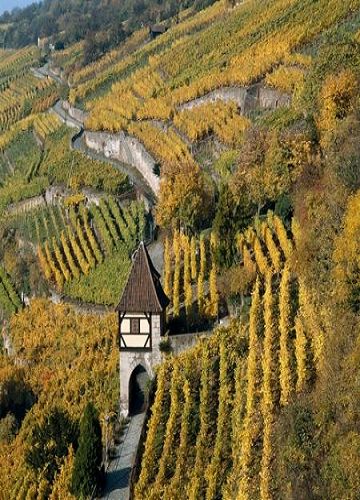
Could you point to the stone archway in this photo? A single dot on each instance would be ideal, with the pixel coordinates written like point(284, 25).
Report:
point(138, 390)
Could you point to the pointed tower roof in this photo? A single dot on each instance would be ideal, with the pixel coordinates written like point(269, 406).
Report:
point(143, 291)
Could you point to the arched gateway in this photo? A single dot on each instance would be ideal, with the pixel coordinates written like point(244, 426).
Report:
point(141, 313)
point(138, 390)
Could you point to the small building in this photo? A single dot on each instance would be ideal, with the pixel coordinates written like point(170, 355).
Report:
point(141, 313)
point(157, 29)
point(43, 43)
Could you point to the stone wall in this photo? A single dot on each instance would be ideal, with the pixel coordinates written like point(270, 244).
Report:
point(125, 149)
point(271, 98)
point(246, 98)
point(7, 343)
point(225, 94)
point(180, 343)
point(75, 113)
point(130, 360)
point(26, 205)
point(55, 193)
point(150, 360)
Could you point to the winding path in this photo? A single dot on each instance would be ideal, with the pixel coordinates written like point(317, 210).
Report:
point(45, 72)
point(78, 143)
point(127, 153)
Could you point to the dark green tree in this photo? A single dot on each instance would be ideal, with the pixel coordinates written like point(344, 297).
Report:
point(50, 441)
point(231, 216)
point(86, 474)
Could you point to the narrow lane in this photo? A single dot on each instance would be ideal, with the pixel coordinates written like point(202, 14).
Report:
point(117, 486)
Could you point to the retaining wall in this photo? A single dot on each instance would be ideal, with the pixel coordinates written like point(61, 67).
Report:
point(125, 149)
point(75, 113)
point(246, 98)
point(183, 342)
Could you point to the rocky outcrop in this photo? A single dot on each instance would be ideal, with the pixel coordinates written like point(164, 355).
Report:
point(125, 149)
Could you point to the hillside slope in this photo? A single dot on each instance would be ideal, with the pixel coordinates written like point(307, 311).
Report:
point(248, 113)
point(103, 24)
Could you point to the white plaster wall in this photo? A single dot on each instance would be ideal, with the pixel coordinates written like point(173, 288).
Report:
point(130, 360)
point(132, 340)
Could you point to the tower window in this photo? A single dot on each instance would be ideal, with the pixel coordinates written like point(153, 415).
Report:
point(134, 325)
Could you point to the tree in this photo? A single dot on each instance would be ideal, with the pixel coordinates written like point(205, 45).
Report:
point(222, 447)
point(268, 397)
point(235, 284)
point(337, 99)
point(62, 482)
point(16, 395)
point(347, 256)
point(213, 305)
point(230, 217)
point(59, 45)
point(86, 472)
point(148, 468)
point(8, 428)
point(187, 275)
point(90, 49)
point(201, 277)
point(301, 354)
point(138, 7)
point(49, 443)
point(184, 197)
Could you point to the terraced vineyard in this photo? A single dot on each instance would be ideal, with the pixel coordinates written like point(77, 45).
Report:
point(261, 365)
point(9, 299)
point(220, 119)
point(219, 48)
point(245, 115)
point(190, 269)
point(74, 242)
point(164, 85)
point(46, 124)
point(21, 93)
point(15, 64)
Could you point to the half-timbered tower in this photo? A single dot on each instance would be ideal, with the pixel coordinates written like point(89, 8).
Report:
point(141, 313)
